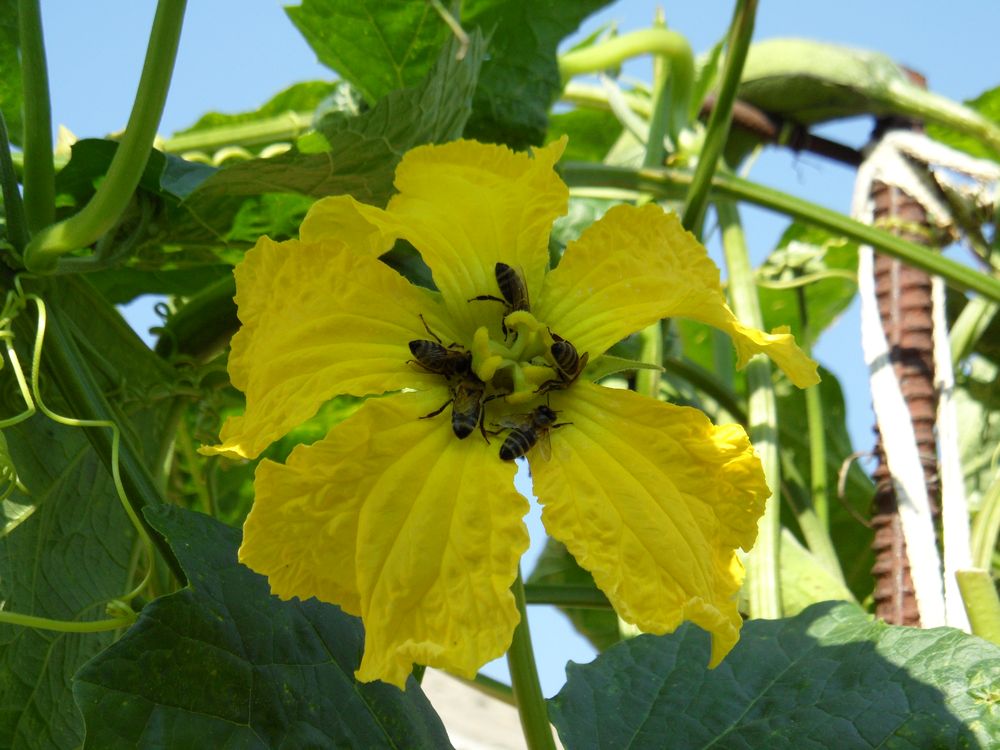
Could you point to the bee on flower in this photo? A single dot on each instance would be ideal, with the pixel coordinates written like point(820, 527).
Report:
point(398, 518)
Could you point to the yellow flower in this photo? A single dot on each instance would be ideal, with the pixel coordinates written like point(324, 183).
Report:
point(395, 518)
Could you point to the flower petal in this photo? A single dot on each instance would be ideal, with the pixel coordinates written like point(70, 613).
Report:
point(638, 265)
point(653, 500)
point(394, 519)
point(319, 320)
point(465, 206)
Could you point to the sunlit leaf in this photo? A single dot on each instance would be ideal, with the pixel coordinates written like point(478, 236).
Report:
point(988, 105)
point(282, 673)
point(520, 79)
point(379, 46)
point(829, 677)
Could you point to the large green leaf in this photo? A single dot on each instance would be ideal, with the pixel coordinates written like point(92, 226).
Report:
point(378, 45)
point(520, 80)
point(830, 677)
point(361, 152)
point(11, 92)
point(223, 663)
point(71, 556)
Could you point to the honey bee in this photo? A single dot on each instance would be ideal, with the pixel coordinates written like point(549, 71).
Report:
point(513, 290)
point(569, 364)
point(450, 361)
point(468, 396)
point(527, 430)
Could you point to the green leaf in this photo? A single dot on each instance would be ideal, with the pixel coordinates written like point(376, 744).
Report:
point(988, 105)
point(804, 580)
point(520, 80)
point(71, 556)
point(379, 46)
point(851, 538)
point(830, 677)
point(281, 672)
point(363, 150)
point(557, 566)
point(812, 81)
point(828, 266)
point(592, 133)
point(11, 90)
point(977, 400)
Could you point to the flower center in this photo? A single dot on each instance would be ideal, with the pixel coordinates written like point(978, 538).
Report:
point(524, 364)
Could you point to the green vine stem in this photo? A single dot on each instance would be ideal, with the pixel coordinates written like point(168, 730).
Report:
point(763, 583)
point(524, 678)
point(981, 603)
point(669, 45)
point(566, 595)
point(39, 170)
point(740, 33)
point(819, 483)
point(284, 127)
point(115, 191)
point(671, 184)
point(65, 626)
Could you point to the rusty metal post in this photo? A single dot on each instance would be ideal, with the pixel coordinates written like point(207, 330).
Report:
point(904, 299)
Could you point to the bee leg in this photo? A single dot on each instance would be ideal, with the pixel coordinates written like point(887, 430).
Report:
point(438, 410)
point(485, 297)
point(482, 425)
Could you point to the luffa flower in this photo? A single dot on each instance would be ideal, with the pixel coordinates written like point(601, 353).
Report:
point(396, 518)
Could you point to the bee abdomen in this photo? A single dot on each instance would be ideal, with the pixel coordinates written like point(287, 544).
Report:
point(463, 424)
point(516, 444)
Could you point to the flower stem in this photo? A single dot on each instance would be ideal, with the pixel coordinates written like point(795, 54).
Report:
point(115, 191)
point(39, 171)
point(65, 626)
point(524, 678)
point(671, 183)
point(740, 32)
point(669, 45)
point(764, 583)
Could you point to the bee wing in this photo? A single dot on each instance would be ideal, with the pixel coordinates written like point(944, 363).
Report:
point(544, 446)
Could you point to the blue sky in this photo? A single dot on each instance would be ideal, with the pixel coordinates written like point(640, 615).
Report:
point(234, 55)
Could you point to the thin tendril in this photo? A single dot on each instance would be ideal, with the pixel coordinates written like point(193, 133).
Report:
point(32, 396)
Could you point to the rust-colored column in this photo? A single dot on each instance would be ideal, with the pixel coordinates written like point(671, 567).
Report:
point(904, 299)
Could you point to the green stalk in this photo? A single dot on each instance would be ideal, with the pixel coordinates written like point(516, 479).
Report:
point(39, 171)
point(117, 187)
point(283, 127)
point(764, 582)
point(72, 374)
point(986, 527)
point(981, 603)
point(819, 483)
point(972, 323)
point(524, 677)
point(664, 43)
point(566, 595)
point(17, 225)
point(671, 184)
point(740, 33)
